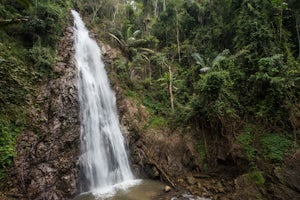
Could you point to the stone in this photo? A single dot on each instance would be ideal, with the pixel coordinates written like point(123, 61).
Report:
point(245, 188)
point(167, 188)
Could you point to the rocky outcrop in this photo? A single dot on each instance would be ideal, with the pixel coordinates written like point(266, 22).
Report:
point(47, 152)
point(285, 180)
point(161, 153)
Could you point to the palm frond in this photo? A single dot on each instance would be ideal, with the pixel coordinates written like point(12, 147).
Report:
point(221, 56)
point(199, 60)
point(117, 39)
point(136, 33)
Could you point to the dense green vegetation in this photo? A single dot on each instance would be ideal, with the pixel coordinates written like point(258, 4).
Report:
point(230, 67)
point(29, 31)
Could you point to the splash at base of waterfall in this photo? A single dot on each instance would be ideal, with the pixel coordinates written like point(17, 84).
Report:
point(128, 190)
point(110, 191)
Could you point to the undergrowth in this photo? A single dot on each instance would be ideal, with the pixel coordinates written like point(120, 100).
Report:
point(274, 146)
point(258, 177)
point(258, 142)
point(8, 134)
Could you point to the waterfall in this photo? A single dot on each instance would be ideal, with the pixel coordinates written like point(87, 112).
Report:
point(104, 162)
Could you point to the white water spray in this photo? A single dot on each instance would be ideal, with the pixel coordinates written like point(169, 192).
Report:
point(104, 161)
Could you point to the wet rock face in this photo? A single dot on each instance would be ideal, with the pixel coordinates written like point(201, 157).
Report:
point(47, 152)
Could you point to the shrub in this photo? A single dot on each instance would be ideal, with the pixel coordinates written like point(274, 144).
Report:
point(274, 146)
point(43, 58)
point(258, 177)
point(246, 140)
point(215, 101)
point(156, 122)
point(8, 135)
point(46, 21)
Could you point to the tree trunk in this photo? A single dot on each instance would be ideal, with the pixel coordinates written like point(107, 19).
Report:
point(155, 9)
point(298, 36)
point(177, 36)
point(280, 26)
point(115, 14)
point(171, 88)
point(95, 9)
point(36, 4)
point(165, 5)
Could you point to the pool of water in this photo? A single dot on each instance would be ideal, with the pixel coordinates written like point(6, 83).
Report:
point(138, 190)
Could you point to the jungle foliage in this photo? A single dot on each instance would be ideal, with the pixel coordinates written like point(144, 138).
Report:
point(29, 31)
point(219, 65)
point(230, 61)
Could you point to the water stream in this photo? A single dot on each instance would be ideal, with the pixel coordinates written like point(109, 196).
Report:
point(104, 162)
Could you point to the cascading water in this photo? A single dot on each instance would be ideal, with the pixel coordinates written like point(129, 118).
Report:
point(104, 161)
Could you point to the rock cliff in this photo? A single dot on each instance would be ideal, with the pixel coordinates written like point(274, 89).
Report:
point(47, 152)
